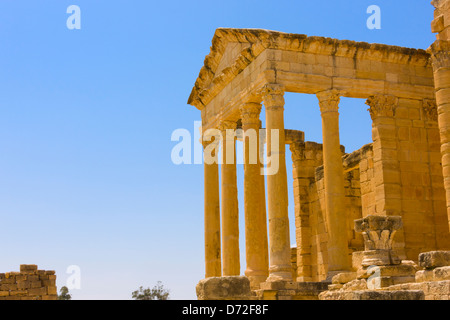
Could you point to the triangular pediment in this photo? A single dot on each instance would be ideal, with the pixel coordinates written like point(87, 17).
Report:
point(231, 53)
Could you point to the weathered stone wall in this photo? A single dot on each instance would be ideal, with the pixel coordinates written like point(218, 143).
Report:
point(367, 182)
point(306, 157)
point(28, 284)
point(408, 177)
point(422, 186)
point(413, 189)
point(319, 252)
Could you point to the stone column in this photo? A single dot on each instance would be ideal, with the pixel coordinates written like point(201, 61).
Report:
point(230, 211)
point(256, 251)
point(301, 208)
point(277, 194)
point(440, 57)
point(386, 168)
point(212, 217)
point(338, 254)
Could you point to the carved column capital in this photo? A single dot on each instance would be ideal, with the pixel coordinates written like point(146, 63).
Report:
point(440, 54)
point(378, 233)
point(329, 100)
point(297, 150)
point(250, 112)
point(382, 105)
point(429, 109)
point(227, 124)
point(273, 96)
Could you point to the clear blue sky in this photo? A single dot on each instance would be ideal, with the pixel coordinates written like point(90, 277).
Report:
point(86, 118)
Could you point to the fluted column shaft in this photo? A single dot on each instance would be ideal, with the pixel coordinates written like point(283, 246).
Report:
point(338, 256)
point(255, 214)
point(277, 190)
point(230, 211)
point(440, 57)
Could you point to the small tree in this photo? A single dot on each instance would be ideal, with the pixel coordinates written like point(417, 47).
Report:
point(64, 294)
point(158, 292)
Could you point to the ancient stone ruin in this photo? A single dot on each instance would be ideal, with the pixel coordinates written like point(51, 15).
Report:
point(371, 224)
point(28, 284)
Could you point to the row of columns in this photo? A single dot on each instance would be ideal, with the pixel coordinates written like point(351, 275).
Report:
point(269, 263)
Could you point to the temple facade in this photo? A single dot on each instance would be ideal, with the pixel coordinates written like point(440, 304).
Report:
point(348, 206)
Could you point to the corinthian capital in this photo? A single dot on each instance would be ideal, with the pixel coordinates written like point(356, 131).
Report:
point(329, 100)
point(381, 105)
point(297, 150)
point(273, 95)
point(250, 112)
point(440, 54)
point(227, 124)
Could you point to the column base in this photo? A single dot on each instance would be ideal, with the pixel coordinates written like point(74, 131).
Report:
point(280, 273)
point(224, 288)
point(290, 290)
point(255, 278)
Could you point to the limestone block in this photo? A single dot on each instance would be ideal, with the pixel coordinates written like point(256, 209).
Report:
point(401, 270)
point(379, 258)
point(24, 284)
point(278, 285)
point(442, 273)
point(37, 291)
point(32, 277)
point(407, 295)
point(335, 286)
point(311, 288)
point(21, 277)
point(28, 268)
point(18, 293)
point(401, 280)
point(439, 287)
point(52, 290)
point(224, 288)
point(358, 284)
point(344, 277)
point(424, 275)
point(8, 281)
point(373, 295)
point(6, 287)
point(434, 259)
point(357, 258)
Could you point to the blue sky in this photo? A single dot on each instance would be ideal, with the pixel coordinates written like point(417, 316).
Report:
point(86, 118)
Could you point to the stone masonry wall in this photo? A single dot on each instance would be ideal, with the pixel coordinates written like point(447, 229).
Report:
point(319, 252)
point(28, 284)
